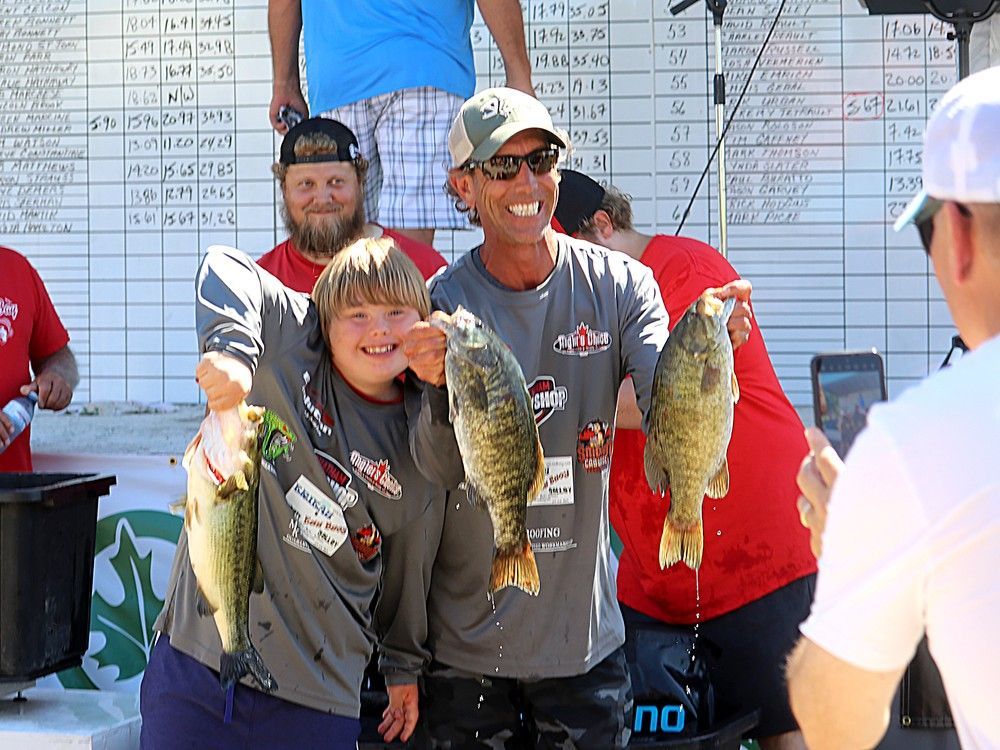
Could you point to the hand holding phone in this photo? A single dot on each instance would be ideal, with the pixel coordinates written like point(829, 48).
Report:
point(844, 386)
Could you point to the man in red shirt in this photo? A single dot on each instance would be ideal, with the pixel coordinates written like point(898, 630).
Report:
point(30, 334)
point(322, 176)
point(755, 583)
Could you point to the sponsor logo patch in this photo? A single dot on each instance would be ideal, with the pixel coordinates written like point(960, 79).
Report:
point(376, 475)
point(279, 441)
point(367, 541)
point(316, 415)
point(339, 479)
point(593, 446)
point(546, 397)
point(582, 341)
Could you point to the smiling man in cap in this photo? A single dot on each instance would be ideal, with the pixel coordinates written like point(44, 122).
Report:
point(578, 318)
point(910, 534)
point(322, 175)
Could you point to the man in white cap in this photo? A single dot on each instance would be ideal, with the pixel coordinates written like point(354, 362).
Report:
point(511, 669)
point(910, 535)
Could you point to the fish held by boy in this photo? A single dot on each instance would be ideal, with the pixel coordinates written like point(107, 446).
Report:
point(498, 439)
point(690, 423)
point(220, 516)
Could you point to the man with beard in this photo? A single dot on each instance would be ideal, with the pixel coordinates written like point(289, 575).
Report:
point(322, 176)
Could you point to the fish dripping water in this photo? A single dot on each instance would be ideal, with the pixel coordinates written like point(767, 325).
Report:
point(497, 436)
point(220, 517)
point(690, 423)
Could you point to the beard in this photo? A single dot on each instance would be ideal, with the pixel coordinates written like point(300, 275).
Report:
point(325, 235)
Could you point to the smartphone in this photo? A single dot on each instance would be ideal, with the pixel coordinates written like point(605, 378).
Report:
point(289, 117)
point(844, 386)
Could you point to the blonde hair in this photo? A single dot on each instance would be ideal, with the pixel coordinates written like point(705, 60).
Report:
point(372, 271)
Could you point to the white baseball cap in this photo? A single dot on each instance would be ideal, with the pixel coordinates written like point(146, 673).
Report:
point(494, 116)
point(961, 159)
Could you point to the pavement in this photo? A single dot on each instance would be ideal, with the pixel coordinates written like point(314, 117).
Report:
point(119, 427)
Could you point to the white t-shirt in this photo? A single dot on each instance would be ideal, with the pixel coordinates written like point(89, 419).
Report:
point(912, 541)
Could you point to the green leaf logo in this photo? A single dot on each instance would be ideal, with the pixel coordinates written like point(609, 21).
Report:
point(127, 627)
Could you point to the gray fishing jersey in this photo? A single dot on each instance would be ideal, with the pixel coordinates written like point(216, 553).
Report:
point(597, 318)
point(337, 478)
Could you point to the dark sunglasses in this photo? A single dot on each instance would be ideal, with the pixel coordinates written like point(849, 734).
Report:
point(506, 166)
point(926, 226)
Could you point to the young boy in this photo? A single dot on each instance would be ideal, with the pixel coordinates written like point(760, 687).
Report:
point(327, 369)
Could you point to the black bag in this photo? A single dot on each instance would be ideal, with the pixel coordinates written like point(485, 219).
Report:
point(922, 700)
point(673, 692)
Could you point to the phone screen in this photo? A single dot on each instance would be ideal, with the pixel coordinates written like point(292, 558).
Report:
point(845, 387)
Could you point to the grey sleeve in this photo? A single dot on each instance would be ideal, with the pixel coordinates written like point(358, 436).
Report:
point(400, 618)
point(432, 440)
point(236, 303)
point(644, 332)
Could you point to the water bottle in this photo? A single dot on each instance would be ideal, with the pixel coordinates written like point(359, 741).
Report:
point(19, 411)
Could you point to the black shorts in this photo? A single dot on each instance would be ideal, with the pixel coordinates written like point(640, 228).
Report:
point(592, 711)
point(749, 650)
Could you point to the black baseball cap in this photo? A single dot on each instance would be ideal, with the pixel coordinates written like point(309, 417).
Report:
point(579, 198)
point(343, 136)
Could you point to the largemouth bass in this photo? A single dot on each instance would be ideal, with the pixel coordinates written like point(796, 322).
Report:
point(220, 516)
point(498, 439)
point(690, 423)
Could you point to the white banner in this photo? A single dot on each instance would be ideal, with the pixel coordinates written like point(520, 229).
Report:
point(135, 543)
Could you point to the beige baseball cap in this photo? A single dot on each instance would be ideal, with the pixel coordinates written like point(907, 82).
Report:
point(491, 118)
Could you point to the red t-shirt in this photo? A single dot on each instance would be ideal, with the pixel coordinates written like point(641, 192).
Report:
point(295, 270)
point(30, 331)
point(762, 546)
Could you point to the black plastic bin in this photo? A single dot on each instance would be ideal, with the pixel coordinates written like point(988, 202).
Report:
point(47, 528)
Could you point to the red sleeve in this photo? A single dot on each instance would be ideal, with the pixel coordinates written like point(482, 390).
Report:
point(424, 257)
point(48, 335)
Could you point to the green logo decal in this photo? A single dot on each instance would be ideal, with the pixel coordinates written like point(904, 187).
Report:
point(127, 627)
point(278, 439)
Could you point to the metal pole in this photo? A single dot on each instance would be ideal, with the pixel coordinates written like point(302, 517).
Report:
point(719, 87)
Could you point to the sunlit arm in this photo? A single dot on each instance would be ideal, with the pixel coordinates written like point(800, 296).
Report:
point(837, 705)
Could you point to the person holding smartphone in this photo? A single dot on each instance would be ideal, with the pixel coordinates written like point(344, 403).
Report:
point(909, 527)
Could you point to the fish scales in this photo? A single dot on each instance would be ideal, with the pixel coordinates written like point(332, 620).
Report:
point(223, 466)
point(497, 436)
point(691, 422)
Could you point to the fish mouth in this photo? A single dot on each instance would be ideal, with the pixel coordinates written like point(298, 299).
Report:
point(525, 210)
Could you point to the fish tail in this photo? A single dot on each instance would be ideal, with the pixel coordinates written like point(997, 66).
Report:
point(681, 543)
point(232, 667)
point(515, 567)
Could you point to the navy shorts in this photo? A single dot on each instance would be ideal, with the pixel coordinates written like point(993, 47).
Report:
point(183, 706)
point(752, 644)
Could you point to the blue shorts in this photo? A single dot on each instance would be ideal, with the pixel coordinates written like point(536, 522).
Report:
point(183, 706)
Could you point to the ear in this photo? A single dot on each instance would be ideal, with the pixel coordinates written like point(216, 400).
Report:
point(602, 224)
point(962, 244)
point(462, 181)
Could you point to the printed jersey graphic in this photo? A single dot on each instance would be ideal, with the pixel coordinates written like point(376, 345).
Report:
point(319, 419)
point(339, 479)
point(582, 342)
point(376, 475)
point(546, 397)
point(8, 314)
point(367, 541)
point(593, 447)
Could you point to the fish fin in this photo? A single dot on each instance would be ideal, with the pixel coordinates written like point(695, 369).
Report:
point(232, 667)
point(178, 506)
point(710, 377)
point(681, 544)
point(736, 389)
point(656, 475)
point(475, 499)
point(257, 585)
point(452, 406)
point(538, 481)
point(515, 567)
point(237, 482)
point(190, 451)
point(718, 486)
point(205, 608)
